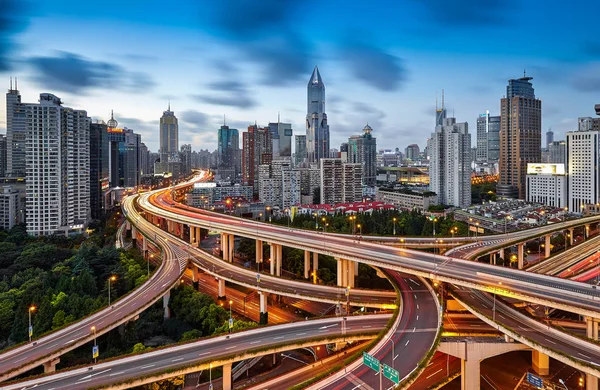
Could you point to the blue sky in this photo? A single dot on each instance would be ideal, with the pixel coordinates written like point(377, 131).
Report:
point(382, 61)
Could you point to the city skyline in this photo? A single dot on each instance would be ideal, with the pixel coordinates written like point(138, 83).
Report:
point(388, 79)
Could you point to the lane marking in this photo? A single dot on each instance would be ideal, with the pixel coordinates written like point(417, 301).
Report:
point(148, 366)
point(407, 343)
point(277, 338)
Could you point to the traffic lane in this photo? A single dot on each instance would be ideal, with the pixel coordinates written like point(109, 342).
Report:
point(68, 337)
point(215, 348)
point(466, 324)
point(440, 367)
point(537, 332)
point(412, 338)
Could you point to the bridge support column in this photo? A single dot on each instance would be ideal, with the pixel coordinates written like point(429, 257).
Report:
point(547, 246)
point(227, 377)
point(181, 231)
point(521, 254)
point(586, 230)
point(194, 273)
point(315, 266)
point(341, 272)
point(508, 339)
point(193, 236)
point(272, 258)
point(501, 253)
point(306, 264)
point(166, 298)
point(51, 365)
point(493, 258)
point(259, 251)
point(231, 248)
point(592, 327)
point(591, 382)
point(221, 293)
point(144, 245)
point(264, 314)
point(279, 259)
point(133, 233)
point(225, 246)
point(571, 230)
point(469, 374)
point(540, 362)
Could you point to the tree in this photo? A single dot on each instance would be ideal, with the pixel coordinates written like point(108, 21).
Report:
point(139, 348)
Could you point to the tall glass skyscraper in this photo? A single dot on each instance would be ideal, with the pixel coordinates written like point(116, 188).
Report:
point(228, 148)
point(488, 138)
point(169, 135)
point(317, 129)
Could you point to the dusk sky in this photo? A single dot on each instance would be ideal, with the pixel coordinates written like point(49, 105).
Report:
point(382, 61)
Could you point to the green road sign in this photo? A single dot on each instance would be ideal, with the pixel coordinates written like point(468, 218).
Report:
point(370, 362)
point(391, 374)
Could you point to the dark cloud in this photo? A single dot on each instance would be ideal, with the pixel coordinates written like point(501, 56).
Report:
point(374, 66)
point(587, 79)
point(70, 72)
point(195, 119)
point(228, 93)
point(470, 13)
point(148, 129)
point(12, 21)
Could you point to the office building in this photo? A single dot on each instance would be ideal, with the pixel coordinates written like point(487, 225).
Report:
point(228, 151)
point(450, 164)
point(362, 149)
point(340, 182)
point(130, 158)
point(407, 199)
point(58, 168)
point(412, 152)
point(16, 133)
point(99, 178)
point(557, 153)
point(520, 136)
point(170, 162)
point(145, 166)
point(185, 155)
point(116, 137)
point(317, 129)
point(488, 138)
point(583, 151)
point(587, 123)
point(549, 136)
point(281, 136)
point(300, 150)
point(3, 160)
point(547, 184)
point(206, 194)
point(256, 150)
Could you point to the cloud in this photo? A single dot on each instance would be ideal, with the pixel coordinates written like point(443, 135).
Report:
point(591, 49)
point(70, 72)
point(12, 21)
point(148, 129)
point(587, 78)
point(195, 119)
point(469, 13)
point(228, 93)
point(374, 66)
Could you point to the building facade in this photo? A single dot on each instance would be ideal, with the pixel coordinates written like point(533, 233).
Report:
point(9, 208)
point(412, 152)
point(58, 168)
point(317, 129)
point(547, 184)
point(408, 199)
point(16, 134)
point(488, 138)
point(99, 178)
point(583, 150)
point(256, 150)
point(340, 182)
point(520, 136)
point(362, 149)
point(557, 152)
point(281, 136)
point(3, 160)
point(228, 150)
point(450, 164)
point(300, 150)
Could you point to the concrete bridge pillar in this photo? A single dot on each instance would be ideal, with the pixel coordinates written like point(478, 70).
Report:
point(194, 273)
point(231, 248)
point(306, 264)
point(264, 314)
point(181, 230)
point(493, 258)
point(166, 298)
point(133, 233)
point(547, 246)
point(193, 236)
point(51, 365)
point(315, 266)
point(591, 382)
point(508, 339)
point(469, 374)
point(586, 230)
point(501, 254)
point(259, 251)
point(272, 260)
point(521, 254)
point(341, 272)
point(592, 327)
point(144, 244)
point(571, 230)
point(227, 377)
point(279, 259)
point(221, 293)
point(540, 362)
point(225, 246)
point(168, 226)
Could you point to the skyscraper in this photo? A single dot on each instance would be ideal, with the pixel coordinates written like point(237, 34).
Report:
point(317, 129)
point(228, 149)
point(16, 133)
point(130, 158)
point(520, 136)
point(340, 181)
point(58, 167)
point(549, 136)
point(412, 152)
point(281, 136)
point(450, 165)
point(115, 138)
point(362, 149)
point(99, 183)
point(583, 150)
point(300, 150)
point(256, 150)
point(169, 135)
point(488, 138)
point(2, 155)
point(557, 152)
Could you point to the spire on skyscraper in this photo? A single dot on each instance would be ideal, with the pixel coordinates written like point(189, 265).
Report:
point(112, 122)
point(316, 77)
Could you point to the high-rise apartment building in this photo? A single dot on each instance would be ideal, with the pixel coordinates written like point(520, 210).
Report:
point(547, 184)
point(300, 150)
point(9, 208)
point(583, 151)
point(450, 164)
point(317, 129)
point(3, 161)
point(99, 178)
point(520, 136)
point(144, 160)
point(186, 158)
point(412, 152)
point(116, 137)
point(362, 149)
point(130, 158)
point(340, 182)
point(169, 135)
point(279, 184)
point(57, 167)
point(228, 150)
point(488, 138)
point(256, 150)
point(16, 133)
point(281, 136)
point(557, 152)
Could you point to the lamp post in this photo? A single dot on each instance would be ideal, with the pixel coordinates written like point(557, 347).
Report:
point(230, 316)
point(476, 228)
point(359, 229)
point(30, 329)
point(506, 222)
point(348, 300)
point(269, 212)
point(323, 220)
point(111, 279)
point(393, 350)
point(434, 221)
point(94, 332)
point(210, 386)
point(353, 219)
point(563, 383)
point(394, 219)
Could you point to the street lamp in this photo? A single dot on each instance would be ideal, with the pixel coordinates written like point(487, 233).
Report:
point(30, 329)
point(476, 228)
point(563, 383)
point(94, 332)
point(210, 386)
point(323, 220)
point(393, 350)
point(359, 229)
point(506, 222)
point(394, 219)
point(434, 221)
point(353, 219)
point(111, 279)
point(230, 316)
